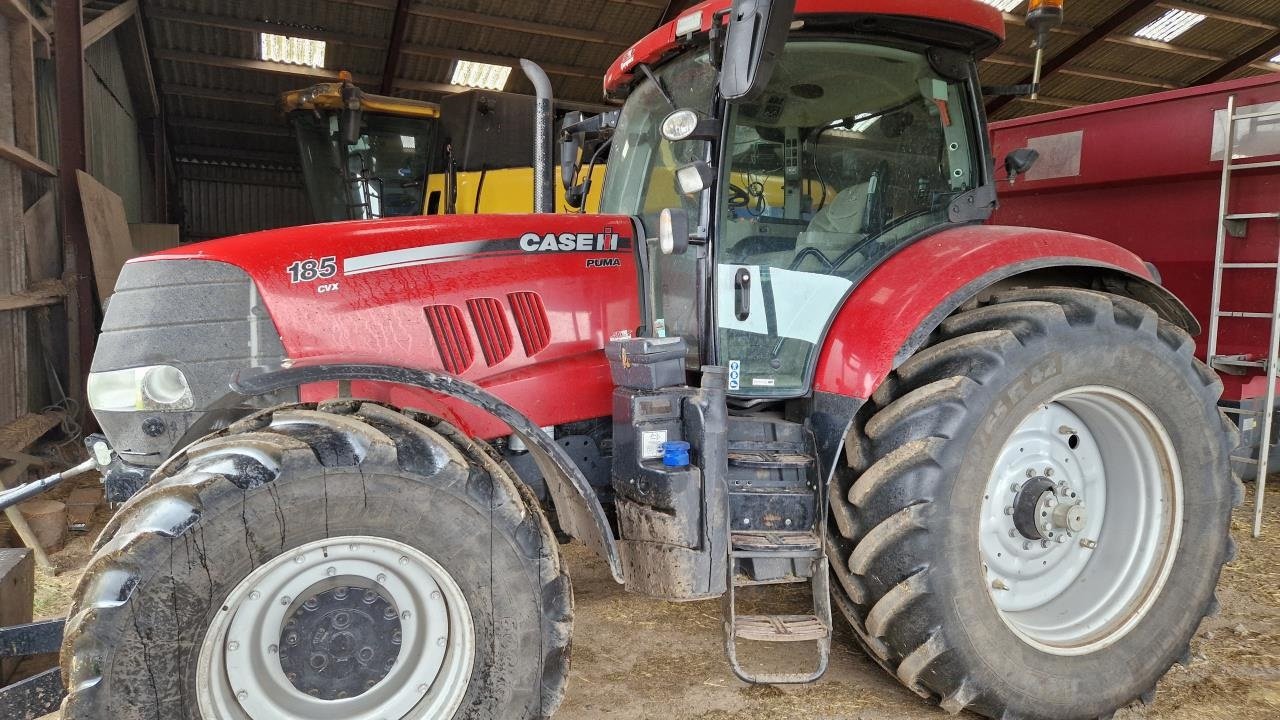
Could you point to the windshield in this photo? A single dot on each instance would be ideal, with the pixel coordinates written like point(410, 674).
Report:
point(642, 165)
point(382, 175)
point(641, 181)
point(852, 151)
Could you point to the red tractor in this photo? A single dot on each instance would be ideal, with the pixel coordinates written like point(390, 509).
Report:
point(788, 352)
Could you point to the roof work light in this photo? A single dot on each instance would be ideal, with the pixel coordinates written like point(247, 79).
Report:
point(1042, 17)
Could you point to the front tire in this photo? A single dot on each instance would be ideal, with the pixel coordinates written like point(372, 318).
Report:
point(343, 561)
point(952, 565)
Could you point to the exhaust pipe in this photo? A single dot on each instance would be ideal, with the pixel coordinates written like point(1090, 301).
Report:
point(544, 198)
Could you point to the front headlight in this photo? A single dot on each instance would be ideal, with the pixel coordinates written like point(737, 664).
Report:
point(155, 387)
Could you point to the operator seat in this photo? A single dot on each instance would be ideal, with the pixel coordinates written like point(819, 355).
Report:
point(833, 230)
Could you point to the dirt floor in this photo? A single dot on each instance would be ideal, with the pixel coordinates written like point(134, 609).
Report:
point(636, 658)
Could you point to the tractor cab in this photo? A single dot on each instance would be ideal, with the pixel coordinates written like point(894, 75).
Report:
point(857, 135)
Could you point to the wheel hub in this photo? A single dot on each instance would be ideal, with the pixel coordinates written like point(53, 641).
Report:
point(340, 641)
point(1079, 520)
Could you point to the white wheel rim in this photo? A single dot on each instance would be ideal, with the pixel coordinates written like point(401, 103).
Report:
point(240, 673)
point(1086, 586)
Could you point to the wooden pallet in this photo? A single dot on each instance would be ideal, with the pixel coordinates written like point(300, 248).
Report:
point(16, 438)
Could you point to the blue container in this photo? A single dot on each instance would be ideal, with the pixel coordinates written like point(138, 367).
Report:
point(675, 453)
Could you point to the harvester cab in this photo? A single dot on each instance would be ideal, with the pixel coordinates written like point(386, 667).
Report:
point(363, 156)
point(789, 351)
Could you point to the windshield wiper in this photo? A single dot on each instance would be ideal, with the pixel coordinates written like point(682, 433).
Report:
point(662, 89)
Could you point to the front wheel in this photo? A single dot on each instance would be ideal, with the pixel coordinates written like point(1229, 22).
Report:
point(1037, 509)
point(347, 561)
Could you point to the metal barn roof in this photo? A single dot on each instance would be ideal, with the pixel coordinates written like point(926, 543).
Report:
point(219, 95)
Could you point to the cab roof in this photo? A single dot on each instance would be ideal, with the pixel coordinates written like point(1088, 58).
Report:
point(984, 19)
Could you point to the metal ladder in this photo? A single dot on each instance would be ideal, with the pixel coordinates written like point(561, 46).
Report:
point(1238, 363)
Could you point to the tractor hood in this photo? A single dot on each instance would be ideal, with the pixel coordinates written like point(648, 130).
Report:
point(474, 295)
point(514, 303)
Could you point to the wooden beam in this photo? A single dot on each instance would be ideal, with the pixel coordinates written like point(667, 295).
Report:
point(1123, 15)
point(135, 54)
point(17, 10)
point(1091, 73)
point(101, 26)
point(399, 22)
point(451, 54)
point(278, 68)
point(1170, 48)
point(40, 294)
point(22, 89)
point(260, 26)
point(1216, 14)
point(219, 95)
point(1263, 48)
point(518, 26)
point(25, 160)
point(229, 126)
point(364, 41)
point(222, 153)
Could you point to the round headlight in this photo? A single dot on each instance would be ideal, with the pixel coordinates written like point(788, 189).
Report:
point(679, 125)
point(164, 385)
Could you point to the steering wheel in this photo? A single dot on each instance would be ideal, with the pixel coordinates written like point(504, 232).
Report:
point(738, 196)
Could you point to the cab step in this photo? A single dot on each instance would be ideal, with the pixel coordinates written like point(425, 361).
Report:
point(781, 628)
point(775, 538)
point(775, 545)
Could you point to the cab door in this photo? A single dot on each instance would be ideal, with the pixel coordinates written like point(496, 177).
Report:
point(851, 152)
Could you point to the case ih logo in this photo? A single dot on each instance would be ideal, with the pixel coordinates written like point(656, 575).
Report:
point(606, 241)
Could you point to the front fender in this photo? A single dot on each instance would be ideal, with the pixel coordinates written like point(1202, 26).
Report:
point(891, 313)
point(577, 507)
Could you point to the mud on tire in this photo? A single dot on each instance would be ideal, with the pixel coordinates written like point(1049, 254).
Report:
point(905, 512)
point(286, 477)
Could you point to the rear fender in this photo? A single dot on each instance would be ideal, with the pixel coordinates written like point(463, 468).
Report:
point(891, 313)
point(577, 507)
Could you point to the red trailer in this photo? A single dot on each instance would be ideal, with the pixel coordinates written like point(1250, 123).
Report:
point(1147, 174)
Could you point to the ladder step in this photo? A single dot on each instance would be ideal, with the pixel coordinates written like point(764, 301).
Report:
point(1237, 361)
point(1253, 115)
point(780, 628)
point(1255, 165)
point(1250, 266)
point(1237, 314)
point(768, 460)
point(1239, 411)
point(1254, 216)
point(1246, 461)
point(775, 545)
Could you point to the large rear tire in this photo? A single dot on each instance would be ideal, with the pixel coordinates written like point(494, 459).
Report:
point(1036, 508)
point(346, 561)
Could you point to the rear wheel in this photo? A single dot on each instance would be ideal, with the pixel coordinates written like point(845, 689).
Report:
point(1036, 508)
point(347, 561)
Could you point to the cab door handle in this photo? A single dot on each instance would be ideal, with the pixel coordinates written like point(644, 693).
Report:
point(742, 293)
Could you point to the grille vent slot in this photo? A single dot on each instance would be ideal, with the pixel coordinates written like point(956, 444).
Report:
point(531, 321)
point(491, 329)
point(452, 340)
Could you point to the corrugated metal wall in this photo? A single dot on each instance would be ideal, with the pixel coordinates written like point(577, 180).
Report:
point(115, 153)
point(227, 199)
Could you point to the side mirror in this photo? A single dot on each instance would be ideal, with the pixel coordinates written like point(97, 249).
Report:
point(351, 116)
point(349, 121)
point(1020, 161)
point(570, 144)
point(755, 38)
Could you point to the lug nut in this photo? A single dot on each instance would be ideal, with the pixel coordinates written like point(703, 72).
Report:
point(1048, 472)
point(1008, 510)
point(1031, 472)
point(1044, 543)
